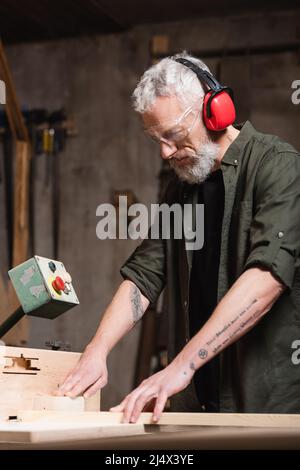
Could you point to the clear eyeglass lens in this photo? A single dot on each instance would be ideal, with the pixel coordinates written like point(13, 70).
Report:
point(176, 136)
point(168, 137)
point(173, 135)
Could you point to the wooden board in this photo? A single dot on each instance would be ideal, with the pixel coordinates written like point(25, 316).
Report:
point(173, 419)
point(42, 427)
point(27, 373)
point(53, 403)
point(21, 160)
point(170, 438)
point(2, 92)
point(13, 109)
point(21, 202)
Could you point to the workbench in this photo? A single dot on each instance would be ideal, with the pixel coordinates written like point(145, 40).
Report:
point(31, 417)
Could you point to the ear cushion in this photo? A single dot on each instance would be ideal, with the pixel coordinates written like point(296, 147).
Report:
point(222, 111)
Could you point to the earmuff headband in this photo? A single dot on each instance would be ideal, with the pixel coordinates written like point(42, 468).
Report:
point(218, 109)
point(203, 75)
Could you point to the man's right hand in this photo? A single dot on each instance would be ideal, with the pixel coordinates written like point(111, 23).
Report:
point(88, 376)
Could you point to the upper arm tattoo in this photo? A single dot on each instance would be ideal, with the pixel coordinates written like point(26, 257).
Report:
point(136, 303)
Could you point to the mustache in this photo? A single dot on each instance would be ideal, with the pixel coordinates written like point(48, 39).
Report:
point(180, 154)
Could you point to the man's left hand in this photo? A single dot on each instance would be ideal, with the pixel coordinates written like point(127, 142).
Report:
point(159, 387)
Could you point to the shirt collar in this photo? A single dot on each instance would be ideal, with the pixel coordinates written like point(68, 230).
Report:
point(234, 152)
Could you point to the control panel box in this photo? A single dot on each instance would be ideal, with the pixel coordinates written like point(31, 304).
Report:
point(44, 287)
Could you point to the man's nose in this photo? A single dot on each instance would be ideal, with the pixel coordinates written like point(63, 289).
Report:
point(167, 150)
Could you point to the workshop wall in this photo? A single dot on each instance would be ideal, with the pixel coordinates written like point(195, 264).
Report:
point(92, 78)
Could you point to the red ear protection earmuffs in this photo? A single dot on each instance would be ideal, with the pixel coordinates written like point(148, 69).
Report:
point(218, 106)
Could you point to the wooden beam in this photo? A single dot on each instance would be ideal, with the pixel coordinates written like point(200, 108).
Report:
point(53, 403)
point(2, 92)
point(64, 427)
point(22, 156)
point(21, 202)
point(22, 161)
point(12, 106)
point(172, 419)
point(63, 431)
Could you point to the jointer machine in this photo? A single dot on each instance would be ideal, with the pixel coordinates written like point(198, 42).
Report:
point(29, 410)
point(29, 377)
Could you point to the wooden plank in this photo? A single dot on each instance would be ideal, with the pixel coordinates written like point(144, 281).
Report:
point(20, 135)
point(21, 202)
point(38, 427)
point(171, 419)
point(15, 117)
point(93, 403)
point(4, 226)
point(170, 438)
point(66, 431)
point(53, 403)
point(22, 161)
point(27, 373)
point(9, 302)
point(2, 92)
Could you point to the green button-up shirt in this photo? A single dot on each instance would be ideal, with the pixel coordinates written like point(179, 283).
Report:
point(261, 227)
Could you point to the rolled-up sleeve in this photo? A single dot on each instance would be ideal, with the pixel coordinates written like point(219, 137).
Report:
point(275, 227)
point(146, 267)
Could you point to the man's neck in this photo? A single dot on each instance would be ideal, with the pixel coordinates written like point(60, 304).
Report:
point(224, 140)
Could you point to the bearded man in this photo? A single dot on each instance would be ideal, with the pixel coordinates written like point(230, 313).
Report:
point(234, 304)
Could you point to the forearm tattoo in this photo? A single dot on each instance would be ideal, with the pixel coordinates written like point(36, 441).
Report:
point(136, 303)
point(203, 353)
point(225, 338)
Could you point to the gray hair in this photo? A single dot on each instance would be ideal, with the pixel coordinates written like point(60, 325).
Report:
point(168, 78)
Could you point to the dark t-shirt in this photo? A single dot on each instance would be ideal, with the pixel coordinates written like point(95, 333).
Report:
point(204, 282)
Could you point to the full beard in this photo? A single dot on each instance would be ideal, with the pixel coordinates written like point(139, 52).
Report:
point(199, 164)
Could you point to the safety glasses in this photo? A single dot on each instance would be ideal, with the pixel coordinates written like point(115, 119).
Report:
point(178, 130)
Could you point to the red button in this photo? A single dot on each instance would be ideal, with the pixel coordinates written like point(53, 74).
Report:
point(58, 284)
